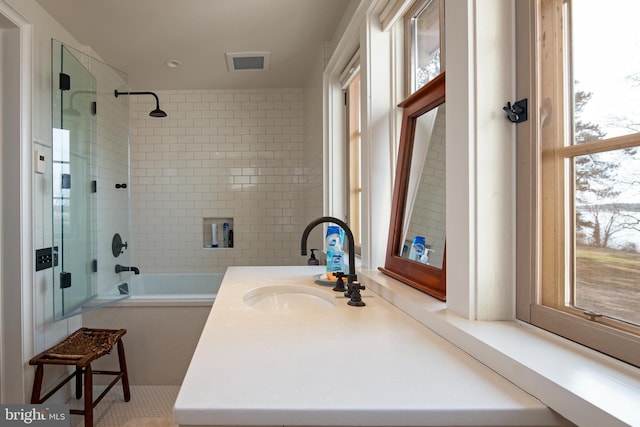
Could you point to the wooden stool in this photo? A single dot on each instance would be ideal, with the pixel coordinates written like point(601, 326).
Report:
point(80, 349)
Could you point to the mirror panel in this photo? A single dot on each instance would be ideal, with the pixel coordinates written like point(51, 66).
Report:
point(424, 220)
point(419, 193)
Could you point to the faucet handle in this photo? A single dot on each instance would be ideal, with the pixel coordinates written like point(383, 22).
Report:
point(339, 287)
point(351, 279)
point(356, 298)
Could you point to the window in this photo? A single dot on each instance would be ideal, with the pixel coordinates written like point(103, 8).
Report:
point(352, 97)
point(351, 146)
point(424, 33)
point(587, 161)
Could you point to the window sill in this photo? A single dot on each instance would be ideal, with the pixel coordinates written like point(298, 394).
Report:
point(582, 385)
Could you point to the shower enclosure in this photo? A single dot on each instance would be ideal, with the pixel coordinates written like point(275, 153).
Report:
point(90, 170)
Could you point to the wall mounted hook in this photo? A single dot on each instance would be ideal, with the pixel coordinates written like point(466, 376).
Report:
point(517, 112)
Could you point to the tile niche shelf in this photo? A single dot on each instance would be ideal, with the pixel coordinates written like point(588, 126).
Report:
point(217, 233)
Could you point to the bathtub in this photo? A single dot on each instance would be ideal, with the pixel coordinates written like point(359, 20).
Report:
point(164, 316)
point(174, 286)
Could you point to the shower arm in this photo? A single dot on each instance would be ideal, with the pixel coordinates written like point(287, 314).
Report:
point(138, 93)
point(158, 112)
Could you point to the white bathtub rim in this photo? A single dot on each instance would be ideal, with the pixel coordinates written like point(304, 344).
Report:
point(199, 291)
point(164, 302)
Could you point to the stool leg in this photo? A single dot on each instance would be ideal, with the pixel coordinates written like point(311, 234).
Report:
point(78, 382)
point(123, 369)
point(88, 396)
point(37, 384)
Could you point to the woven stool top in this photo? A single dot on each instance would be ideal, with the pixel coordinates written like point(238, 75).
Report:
point(80, 348)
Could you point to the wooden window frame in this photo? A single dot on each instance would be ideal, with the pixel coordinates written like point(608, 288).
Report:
point(544, 247)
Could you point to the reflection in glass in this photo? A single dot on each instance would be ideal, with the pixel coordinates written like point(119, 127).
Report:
point(425, 214)
point(424, 26)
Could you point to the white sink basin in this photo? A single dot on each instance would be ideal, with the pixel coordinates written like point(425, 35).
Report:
point(289, 299)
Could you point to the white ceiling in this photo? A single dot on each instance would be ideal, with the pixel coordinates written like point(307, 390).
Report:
point(139, 36)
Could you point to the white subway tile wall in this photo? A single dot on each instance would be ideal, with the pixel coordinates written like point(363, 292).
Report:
point(221, 153)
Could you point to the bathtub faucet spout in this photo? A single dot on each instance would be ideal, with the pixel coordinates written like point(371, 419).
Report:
point(121, 268)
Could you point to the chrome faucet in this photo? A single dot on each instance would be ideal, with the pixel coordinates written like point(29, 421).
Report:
point(353, 287)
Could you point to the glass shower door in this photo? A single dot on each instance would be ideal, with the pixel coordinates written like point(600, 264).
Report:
point(74, 184)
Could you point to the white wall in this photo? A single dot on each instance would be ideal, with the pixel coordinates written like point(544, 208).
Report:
point(11, 354)
point(379, 138)
point(37, 328)
point(480, 65)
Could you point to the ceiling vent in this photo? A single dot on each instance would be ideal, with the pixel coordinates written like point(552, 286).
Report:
point(248, 61)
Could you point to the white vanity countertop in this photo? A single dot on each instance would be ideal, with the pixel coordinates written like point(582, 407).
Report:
point(343, 366)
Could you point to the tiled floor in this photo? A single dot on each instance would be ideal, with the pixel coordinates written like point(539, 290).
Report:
point(150, 406)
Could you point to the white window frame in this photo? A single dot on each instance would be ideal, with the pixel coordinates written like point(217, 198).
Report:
point(353, 153)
